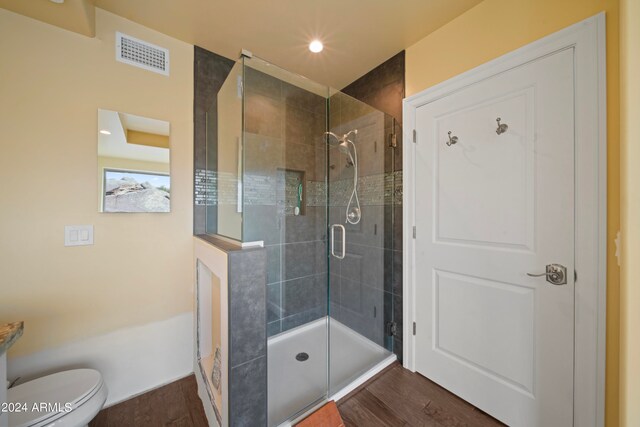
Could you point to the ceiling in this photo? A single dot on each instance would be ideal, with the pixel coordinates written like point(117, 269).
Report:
point(358, 34)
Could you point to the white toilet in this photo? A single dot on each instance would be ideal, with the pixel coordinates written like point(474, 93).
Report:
point(82, 389)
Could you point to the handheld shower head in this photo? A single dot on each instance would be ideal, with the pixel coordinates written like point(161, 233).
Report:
point(353, 213)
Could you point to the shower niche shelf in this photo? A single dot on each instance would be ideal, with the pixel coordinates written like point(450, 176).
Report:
point(291, 191)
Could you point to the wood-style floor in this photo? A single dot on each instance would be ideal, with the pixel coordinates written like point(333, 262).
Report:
point(395, 397)
point(176, 405)
point(398, 397)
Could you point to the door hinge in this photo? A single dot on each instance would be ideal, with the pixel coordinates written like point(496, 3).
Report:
point(240, 87)
point(391, 329)
point(414, 328)
point(575, 275)
point(414, 231)
point(415, 136)
point(393, 141)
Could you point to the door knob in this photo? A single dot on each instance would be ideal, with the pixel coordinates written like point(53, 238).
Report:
point(556, 274)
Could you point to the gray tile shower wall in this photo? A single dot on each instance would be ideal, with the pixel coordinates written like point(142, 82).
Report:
point(248, 394)
point(210, 71)
point(247, 337)
point(357, 281)
point(383, 88)
point(284, 149)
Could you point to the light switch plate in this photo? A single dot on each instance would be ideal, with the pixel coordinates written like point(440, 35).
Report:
point(78, 235)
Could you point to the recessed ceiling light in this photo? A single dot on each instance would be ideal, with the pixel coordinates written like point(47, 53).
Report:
point(316, 46)
point(57, 1)
point(105, 132)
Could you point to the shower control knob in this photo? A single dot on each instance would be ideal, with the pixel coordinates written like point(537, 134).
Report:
point(353, 217)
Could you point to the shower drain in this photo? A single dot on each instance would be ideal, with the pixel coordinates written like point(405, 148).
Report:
point(301, 357)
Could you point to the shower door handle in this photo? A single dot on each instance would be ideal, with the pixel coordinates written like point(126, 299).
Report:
point(333, 241)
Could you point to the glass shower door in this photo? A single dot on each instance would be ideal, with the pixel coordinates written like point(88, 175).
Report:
point(284, 206)
point(360, 225)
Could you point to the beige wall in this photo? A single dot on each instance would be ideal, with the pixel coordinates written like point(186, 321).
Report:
point(140, 270)
point(496, 27)
point(630, 212)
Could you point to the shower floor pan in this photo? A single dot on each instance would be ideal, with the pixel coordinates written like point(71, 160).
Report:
point(297, 367)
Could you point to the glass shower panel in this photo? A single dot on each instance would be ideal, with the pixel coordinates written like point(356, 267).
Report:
point(361, 227)
point(284, 205)
point(224, 159)
point(280, 171)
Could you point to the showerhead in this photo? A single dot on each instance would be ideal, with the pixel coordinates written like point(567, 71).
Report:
point(343, 142)
point(344, 148)
point(333, 135)
point(344, 138)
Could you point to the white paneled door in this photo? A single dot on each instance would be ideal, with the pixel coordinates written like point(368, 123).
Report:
point(490, 208)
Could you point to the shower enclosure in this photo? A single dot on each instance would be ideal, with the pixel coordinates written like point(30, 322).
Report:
point(282, 180)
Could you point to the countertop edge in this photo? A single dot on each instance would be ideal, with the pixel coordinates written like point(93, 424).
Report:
point(225, 245)
point(9, 334)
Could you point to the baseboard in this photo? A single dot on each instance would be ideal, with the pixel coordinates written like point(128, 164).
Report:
point(133, 396)
point(132, 360)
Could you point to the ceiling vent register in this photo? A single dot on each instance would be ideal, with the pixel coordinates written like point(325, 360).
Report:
point(139, 53)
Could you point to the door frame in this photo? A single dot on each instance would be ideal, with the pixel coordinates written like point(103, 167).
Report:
point(587, 38)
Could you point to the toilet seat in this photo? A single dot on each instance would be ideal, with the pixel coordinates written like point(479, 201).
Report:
point(74, 387)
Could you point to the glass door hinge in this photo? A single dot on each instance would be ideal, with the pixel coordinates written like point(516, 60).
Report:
point(393, 140)
point(391, 329)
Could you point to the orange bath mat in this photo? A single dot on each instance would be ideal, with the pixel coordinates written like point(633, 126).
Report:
point(327, 416)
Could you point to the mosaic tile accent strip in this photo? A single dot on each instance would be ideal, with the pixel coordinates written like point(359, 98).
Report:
point(204, 186)
point(316, 193)
point(213, 188)
point(373, 190)
point(397, 188)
